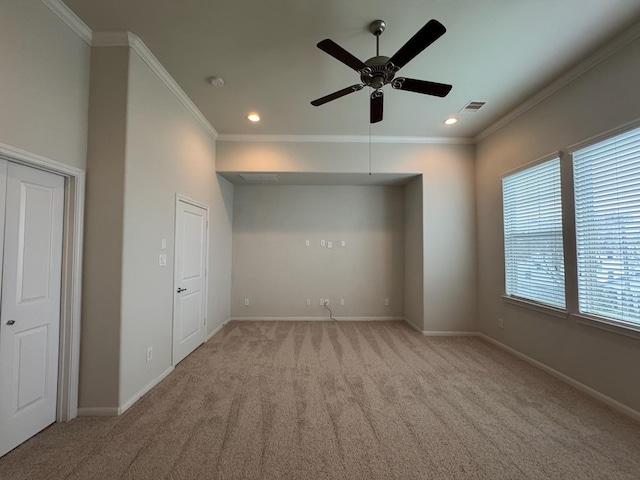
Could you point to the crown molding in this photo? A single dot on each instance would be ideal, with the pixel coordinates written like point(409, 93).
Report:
point(112, 39)
point(70, 18)
point(580, 69)
point(344, 139)
point(127, 39)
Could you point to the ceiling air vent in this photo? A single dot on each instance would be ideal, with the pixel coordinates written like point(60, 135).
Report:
point(473, 106)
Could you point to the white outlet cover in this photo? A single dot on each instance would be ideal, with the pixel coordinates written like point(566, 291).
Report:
point(342, 301)
point(343, 243)
point(329, 245)
point(162, 260)
point(322, 243)
point(246, 302)
point(308, 302)
point(307, 243)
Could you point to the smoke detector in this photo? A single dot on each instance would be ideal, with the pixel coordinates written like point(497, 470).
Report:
point(216, 81)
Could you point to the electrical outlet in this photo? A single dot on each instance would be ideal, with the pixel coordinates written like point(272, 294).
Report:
point(500, 323)
point(149, 354)
point(329, 244)
point(322, 243)
point(308, 302)
point(343, 243)
point(386, 301)
point(326, 301)
point(342, 301)
point(322, 302)
point(162, 260)
point(307, 243)
point(246, 302)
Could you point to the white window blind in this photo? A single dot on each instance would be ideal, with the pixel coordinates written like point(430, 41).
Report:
point(534, 259)
point(607, 200)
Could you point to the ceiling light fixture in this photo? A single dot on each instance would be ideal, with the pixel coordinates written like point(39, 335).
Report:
point(451, 121)
point(253, 117)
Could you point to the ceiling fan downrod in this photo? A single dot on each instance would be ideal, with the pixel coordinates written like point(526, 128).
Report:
point(377, 27)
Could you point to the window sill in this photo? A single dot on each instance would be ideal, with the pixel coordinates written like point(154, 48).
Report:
point(538, 307)
point(613, 326)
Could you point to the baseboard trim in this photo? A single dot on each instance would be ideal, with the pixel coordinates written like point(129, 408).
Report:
point(316, 319)
point(98, 411)
point(620, 407)
point(216, 330)
point(129, 403)
point(437, 333)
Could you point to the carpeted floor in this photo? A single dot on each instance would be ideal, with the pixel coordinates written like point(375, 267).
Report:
point(323, 400)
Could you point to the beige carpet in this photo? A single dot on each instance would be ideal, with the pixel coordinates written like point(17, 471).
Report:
point(323, 400)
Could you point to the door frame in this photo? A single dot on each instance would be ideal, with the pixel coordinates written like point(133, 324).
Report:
point(195, 203)
point(71, 285)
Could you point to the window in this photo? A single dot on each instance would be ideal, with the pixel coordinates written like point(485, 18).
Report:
point(607, 203)
point(534, 260)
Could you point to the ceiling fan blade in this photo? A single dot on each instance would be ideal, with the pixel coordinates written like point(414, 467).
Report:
point(339, 53)
point(416, 44)
point(377, 99)
point(338, 94)
point(421, 86)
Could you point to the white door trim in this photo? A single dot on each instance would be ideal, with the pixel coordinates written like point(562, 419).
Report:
point(185, 199)
point(71, 288)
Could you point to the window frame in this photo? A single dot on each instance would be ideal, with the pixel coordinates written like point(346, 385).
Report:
point(528, 303)
point(630, 329)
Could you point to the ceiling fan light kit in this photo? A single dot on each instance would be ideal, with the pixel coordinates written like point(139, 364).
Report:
point(380, 70)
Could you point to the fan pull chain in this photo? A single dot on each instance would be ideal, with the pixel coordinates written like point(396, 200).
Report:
point(369, 149)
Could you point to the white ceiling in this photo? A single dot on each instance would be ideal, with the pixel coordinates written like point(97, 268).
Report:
point(498, 51)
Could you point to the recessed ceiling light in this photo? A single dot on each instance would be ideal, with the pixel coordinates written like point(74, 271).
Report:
point(451, 121)
point(253, 117)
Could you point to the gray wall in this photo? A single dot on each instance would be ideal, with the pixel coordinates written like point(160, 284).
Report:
point(44, 83)
point(104, 208)
point(413, 253)
point(448, 208)
point(168, 152)
point(277, 272)
point(145, 147)
point(603, 98)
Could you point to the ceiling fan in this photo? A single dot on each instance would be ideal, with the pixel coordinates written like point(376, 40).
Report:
point(380, 70)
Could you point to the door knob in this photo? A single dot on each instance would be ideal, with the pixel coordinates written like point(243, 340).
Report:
point(10, 322)
point(182, 290)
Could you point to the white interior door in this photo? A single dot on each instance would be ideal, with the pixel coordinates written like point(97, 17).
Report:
point(30, 313)
point(190, 302)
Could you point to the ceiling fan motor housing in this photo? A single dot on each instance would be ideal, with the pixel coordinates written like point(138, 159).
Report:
point(378, 72)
